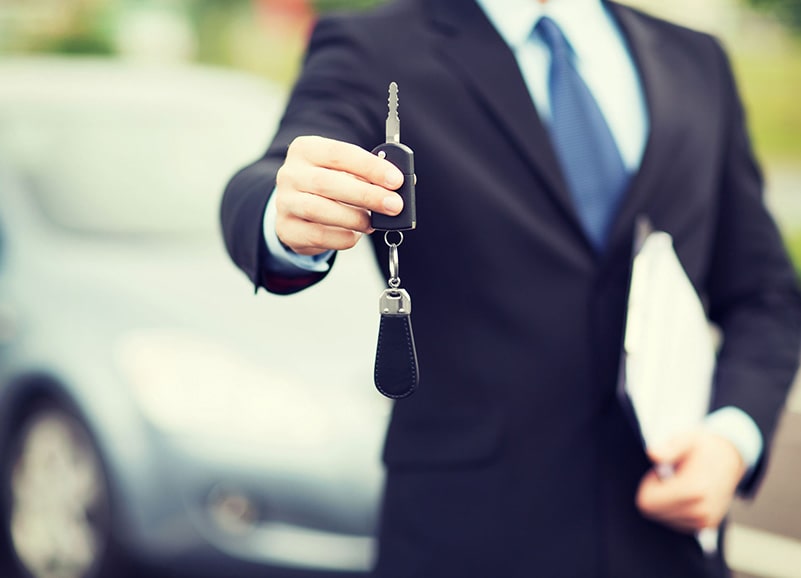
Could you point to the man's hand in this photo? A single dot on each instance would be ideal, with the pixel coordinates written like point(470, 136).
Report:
point(708, 469)
point(325, 190)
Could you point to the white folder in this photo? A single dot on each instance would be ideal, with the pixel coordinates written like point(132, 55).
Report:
point(669, 345)
point(669, 349)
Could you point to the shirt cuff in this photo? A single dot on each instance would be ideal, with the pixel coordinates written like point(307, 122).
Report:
point(739, 428)
point(283, 261)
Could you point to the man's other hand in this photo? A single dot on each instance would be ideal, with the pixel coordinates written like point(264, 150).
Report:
point(325, 191)
point(708, 469)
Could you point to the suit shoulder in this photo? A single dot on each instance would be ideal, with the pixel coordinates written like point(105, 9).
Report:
point(372, 36)
point(387, 16)
point(698, 53)
point(674, 34)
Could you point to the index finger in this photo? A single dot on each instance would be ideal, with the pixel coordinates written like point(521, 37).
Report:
point(348, 158)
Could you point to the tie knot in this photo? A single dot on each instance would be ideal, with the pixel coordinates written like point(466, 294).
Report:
point(552, 35)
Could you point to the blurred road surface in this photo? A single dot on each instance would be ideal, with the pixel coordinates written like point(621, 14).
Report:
point(764, 540)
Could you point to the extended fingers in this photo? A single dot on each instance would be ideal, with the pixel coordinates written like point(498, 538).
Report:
point(344, 188)
point(325, 190)
point(348, 158)
point(324, 211)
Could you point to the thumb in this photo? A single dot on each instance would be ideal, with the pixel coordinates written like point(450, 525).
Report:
point(674, 450)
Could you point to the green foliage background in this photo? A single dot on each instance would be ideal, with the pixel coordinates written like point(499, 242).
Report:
point(331, 5)
point(789, 11)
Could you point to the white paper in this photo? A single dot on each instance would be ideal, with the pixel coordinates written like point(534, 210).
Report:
point(669, 345)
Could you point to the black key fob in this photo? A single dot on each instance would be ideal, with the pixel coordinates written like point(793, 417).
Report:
point(402, 157)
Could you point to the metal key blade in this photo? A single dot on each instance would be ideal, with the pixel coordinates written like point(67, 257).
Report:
point(393, 121)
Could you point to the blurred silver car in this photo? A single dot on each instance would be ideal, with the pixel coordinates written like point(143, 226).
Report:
point(153, 411)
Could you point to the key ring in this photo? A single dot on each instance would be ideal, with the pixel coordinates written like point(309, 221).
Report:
point(394, 266)
point(386, 238)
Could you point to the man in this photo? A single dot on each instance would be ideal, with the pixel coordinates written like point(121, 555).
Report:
point(541, 131)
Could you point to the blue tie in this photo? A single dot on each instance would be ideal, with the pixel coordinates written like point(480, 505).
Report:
point(590, 160)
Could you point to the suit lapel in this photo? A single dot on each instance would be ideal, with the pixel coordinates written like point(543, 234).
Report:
point(661, 101)
point(476, 53)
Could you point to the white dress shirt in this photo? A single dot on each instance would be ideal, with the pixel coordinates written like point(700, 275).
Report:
point(604, 62)
point(601, 58)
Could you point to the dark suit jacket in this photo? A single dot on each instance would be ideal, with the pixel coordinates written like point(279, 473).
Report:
point(514, 458)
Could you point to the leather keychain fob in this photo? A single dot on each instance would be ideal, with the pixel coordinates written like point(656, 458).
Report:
point(396, 371)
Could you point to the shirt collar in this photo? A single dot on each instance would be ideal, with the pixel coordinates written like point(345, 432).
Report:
point(515, 19)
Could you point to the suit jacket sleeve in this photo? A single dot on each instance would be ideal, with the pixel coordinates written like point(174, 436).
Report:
point(752, 290)
point(330, 99)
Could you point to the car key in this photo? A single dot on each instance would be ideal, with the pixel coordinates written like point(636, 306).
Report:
point(402, 157)
point(396, 370)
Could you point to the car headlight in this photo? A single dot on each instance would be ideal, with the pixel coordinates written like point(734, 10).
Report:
point(187, 384)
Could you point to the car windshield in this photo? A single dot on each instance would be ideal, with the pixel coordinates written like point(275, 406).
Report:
point(152, 169)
